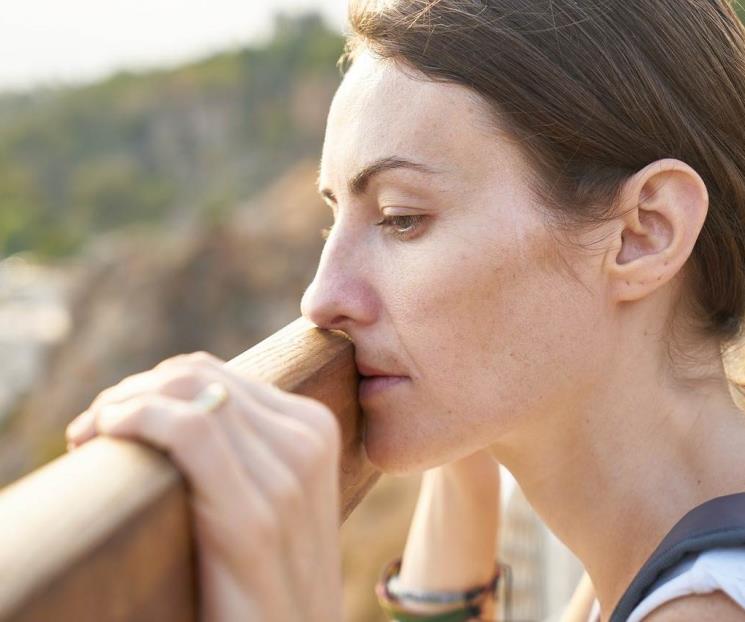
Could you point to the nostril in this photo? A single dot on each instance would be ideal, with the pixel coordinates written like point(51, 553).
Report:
point(320, 310)
point(338, 322)
point(336, 299)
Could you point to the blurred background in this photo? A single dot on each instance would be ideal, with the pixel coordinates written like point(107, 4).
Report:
point(157, 196)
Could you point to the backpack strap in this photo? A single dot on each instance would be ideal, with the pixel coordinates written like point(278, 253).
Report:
point(718, 522)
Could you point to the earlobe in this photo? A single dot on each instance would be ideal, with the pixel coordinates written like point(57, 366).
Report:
point(662, 209)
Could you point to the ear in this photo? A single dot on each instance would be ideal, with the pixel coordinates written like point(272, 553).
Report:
point(662, 209)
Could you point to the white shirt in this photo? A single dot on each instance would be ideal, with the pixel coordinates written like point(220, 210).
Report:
point(697, 573)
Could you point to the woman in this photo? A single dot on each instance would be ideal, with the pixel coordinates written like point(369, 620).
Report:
point(539, 209)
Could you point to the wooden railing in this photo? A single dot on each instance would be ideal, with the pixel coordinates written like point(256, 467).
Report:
point(103, 533)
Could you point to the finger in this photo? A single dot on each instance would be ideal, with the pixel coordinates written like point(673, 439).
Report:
point(307, 421)
point(168, 379)
point(185, 380)
point(179, 377)
point(185, 375)
point(80, 430)
point(194, 441)
point(316, 466)
point(162, 422)
point(280, 486)
point(281, 434)
point(315, 459)
point(275, 479)
point(304, 408)
point(312, 451)
point(175, 382)
point(297, 460)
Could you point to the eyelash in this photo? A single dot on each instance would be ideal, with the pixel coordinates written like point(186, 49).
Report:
point(388, 223)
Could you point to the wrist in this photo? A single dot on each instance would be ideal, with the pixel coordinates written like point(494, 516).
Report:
point(468, 487)
point(456, 605)
point(480, 469)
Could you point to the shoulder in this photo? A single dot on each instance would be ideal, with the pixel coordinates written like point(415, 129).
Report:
point(707, 586)
point(713, 607)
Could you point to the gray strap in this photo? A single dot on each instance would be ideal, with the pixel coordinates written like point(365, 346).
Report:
point(719, 522)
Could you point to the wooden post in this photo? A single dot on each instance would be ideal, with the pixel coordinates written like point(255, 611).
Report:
point(103, 534)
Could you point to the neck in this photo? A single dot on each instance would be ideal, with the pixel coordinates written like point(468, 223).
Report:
point(613, 471)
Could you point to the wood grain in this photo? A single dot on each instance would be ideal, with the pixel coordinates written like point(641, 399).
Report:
point(104, 533)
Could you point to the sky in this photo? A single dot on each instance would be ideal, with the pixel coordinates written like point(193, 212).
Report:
point(52, 42)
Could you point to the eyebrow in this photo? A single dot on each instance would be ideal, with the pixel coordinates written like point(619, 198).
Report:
point(357, 184)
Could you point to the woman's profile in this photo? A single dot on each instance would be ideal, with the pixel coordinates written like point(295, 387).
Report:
point(539, 251)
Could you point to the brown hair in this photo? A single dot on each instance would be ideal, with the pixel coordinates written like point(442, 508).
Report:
point(593, 91)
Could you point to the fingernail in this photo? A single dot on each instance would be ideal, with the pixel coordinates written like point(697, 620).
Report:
point(79, 425)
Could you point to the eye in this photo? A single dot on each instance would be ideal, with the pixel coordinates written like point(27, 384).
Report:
point(403, 226)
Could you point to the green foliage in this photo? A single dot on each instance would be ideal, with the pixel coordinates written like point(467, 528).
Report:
point(159, 146)
point(740, 9)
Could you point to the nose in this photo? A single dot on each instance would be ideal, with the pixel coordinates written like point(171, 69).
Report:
point(340, 296)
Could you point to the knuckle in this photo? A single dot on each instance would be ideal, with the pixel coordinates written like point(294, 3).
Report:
point(327, 425)
point(111, 394)
point(180, 382)
point(137, 406)
point(104, 396)
point(318, 417)
point(190, 430)
point(321, 416)
point(110, 416)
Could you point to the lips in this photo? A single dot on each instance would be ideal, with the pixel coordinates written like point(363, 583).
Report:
point(370, 371)
point(376, 380)
point(373, 385)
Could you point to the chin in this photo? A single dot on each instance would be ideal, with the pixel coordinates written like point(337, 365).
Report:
point(389, 456)
point(393, 452)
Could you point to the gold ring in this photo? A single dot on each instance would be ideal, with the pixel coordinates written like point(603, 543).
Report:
point(211, 397)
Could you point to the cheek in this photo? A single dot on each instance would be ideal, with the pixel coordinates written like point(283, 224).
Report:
point(512, 326)
point(484, 308)
point(494, 336)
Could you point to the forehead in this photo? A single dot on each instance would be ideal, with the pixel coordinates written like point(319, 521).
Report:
point(383, 109)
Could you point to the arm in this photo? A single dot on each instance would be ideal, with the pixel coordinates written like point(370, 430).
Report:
point(712, 607)
point(454, 532)
point(578, 609)
point(452, 540)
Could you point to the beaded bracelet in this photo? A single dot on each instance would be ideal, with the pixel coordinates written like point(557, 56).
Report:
point(465, 605)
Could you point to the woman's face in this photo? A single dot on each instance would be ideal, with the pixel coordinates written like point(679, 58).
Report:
point(496, 325)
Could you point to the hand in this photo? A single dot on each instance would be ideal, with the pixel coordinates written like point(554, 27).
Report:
point(263, 472)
